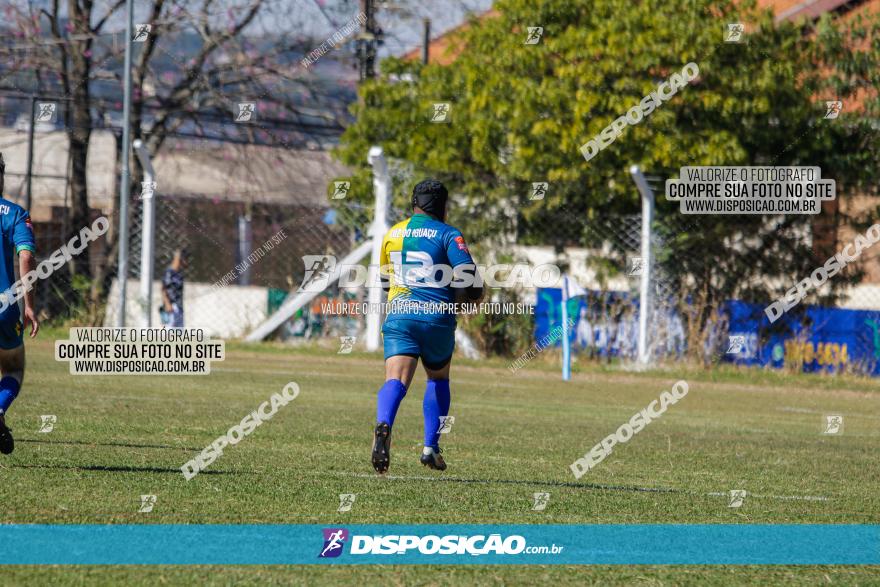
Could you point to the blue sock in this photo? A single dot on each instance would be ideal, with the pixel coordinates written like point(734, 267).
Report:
point(9, 387)
point(436, 404)
point(390, 396)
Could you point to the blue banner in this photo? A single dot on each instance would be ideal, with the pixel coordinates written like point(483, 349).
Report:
point(807, 338)
point(606, 324)
point(733, 544)
point(811, 338)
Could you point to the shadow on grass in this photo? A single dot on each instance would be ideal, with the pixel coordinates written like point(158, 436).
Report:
point(122, 444)
point(119, 469)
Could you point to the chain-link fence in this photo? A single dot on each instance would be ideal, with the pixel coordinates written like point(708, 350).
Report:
point(35, 146)
point(243, 259)
point(711, 276)
point(730, 288)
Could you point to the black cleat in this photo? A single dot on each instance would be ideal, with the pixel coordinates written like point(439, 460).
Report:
point(382, 448)
point(6, 442)
point(432, 459)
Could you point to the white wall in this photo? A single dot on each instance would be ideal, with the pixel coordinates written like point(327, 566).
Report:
point(227, 312)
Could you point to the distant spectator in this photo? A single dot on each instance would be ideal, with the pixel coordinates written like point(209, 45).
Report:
point(584, 331)
point(171, 312)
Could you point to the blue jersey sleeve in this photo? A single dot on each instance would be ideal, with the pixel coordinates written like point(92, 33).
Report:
point(23, 232)
point(457, 250)
point(167, 278)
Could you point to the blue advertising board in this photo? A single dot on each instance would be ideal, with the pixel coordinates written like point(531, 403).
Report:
point(606, 324)
point(810, 338)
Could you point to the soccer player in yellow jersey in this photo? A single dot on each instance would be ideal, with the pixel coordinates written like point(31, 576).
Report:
point(420, 256)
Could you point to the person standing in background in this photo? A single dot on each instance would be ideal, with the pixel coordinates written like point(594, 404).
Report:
point(171, 312)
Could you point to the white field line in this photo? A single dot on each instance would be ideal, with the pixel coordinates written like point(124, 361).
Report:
point(526, 482)
point(784, 497)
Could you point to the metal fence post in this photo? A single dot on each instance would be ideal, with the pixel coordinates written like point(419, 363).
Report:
point(245, 245)
point(125, 179)
point(645, 301)
point(148, 232)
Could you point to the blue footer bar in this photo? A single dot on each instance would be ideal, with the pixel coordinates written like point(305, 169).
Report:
point(734, 544)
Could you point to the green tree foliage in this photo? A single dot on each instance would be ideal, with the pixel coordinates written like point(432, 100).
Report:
point(520, 113)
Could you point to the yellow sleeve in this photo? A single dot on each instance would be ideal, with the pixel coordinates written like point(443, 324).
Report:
point(383, 254)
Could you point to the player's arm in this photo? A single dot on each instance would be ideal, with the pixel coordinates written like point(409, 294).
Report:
point(384, 268)
point(26, 264)
point(166, 301)
point(472, 293)
point(25, 246)
point(463, 264)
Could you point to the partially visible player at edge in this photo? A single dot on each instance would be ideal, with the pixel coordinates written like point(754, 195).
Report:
point(17, 237)
point(413, 330)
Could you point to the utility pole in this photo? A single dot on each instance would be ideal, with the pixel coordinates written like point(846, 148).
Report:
point(368, 41)
point(426, 41)
point(30, 153)
point(125, 176)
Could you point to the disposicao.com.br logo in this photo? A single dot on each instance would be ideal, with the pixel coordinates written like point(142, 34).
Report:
point(431, 544)
point(334, 539)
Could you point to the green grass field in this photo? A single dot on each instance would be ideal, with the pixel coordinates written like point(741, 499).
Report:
point(119, 437)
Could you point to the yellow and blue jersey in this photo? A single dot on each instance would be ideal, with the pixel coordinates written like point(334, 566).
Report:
point(413, 252)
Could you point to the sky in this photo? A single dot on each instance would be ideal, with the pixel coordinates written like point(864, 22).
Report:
point(400, 19)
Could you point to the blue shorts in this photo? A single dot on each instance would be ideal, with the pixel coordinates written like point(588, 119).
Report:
point(172, 319)
point(434, 343)
point(10, 329)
